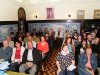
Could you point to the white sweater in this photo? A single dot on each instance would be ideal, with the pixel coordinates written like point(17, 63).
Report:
point(14, 52)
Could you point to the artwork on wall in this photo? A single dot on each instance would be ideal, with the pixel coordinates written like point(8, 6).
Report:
point(50, 13)
point(63, 26)
point(21, 13)
point(97, 14)
point(80, 14)
point(6, 29)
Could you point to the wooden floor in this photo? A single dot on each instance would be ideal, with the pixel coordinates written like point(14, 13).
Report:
point(50, 67)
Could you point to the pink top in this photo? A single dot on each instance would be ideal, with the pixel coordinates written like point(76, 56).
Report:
point(88, 63)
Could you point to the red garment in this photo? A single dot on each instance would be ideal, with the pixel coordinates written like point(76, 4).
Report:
point(44, 48)
point(17, 54)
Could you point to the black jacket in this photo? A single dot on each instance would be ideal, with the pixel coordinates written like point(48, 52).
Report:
point(96, 48)
point(37, 56)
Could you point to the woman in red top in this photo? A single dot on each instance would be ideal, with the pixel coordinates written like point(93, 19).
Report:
point(43, 46)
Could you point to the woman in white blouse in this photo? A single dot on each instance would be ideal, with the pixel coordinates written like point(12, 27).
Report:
point(17, 54)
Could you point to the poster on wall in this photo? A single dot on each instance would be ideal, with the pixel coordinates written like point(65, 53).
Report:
point(6, 29)
point(55, 26)
point(50, 13)
point(97, 14)
point(80, 14)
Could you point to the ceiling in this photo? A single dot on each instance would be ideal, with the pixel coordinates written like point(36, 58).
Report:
point(37, 1)
point(54, 1)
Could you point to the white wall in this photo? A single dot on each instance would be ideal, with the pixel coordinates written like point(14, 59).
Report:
point(62, 8)
point(8, 10)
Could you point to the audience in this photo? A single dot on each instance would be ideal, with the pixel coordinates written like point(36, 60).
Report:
point(30, 51)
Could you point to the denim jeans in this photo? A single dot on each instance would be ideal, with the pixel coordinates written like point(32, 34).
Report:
point(82, 71)
point(14, 67)
point(66, 72)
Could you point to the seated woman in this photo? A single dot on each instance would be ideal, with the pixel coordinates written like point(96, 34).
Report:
point(16, 58)
point(64, 60)
point(43, 46)
point(79, 50)
point(20, 38)
point(70, 44)
point(87, 62)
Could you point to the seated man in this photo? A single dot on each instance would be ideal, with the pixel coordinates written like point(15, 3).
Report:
point(5, 51)
point(30, 59)
point(11, 43)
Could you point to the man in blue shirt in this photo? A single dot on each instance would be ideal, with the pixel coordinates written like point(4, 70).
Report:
point(5, 51)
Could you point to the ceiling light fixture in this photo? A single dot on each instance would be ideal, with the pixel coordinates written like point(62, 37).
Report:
point(20, 0)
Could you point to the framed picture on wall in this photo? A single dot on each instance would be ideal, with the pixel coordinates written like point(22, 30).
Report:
point(50, 13)
point(97, 14)
point(80, 14)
